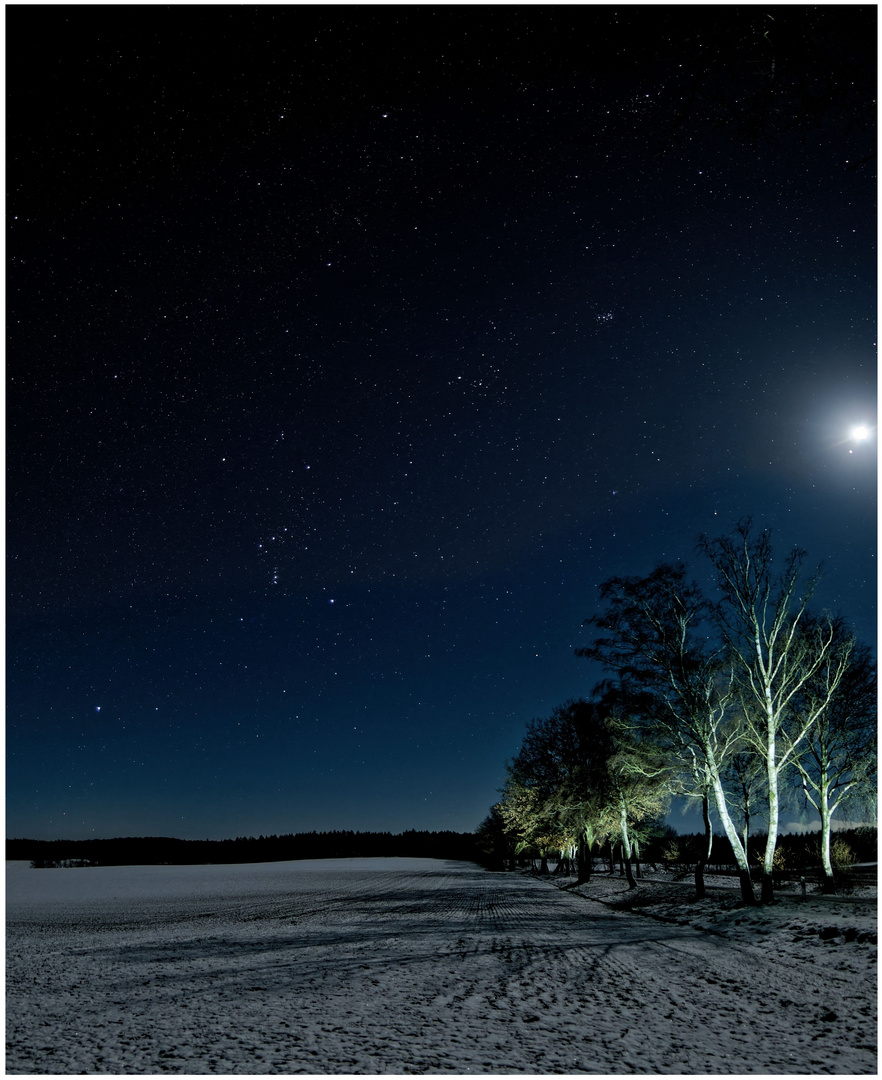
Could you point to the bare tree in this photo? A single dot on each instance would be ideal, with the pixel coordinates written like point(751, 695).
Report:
point(529, 817)
point(639, 769)
point(582, 775)
point(571, 749)
point(654, 638)
point(837, 760)
point(683, 773)
point(777, 654)
point(640, 778)
point(744, 781)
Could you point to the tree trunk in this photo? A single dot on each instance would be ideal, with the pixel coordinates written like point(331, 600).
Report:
point(767, 893)
point(829, 880)
point(612, 857)
point(700, 891)
point(740, 853)
point(626, 845)
point(584, 861)
point(747, 894)
point(746, 823)
point(543, 863)
point(629, 873)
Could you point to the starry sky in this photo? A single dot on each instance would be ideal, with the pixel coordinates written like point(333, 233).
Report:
point(351, 348)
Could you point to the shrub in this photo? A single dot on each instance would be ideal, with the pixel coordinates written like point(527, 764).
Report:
point(841, 855)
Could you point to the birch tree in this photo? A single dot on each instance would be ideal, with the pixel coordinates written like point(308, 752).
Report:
point(776, 655)
point(837, 761)
point(654, 637)
point(744, 784)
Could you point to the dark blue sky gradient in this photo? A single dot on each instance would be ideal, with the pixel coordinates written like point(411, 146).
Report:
point(351, 349)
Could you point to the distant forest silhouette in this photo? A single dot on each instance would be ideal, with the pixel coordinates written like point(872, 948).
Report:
point(678, 852)
point(153, 850)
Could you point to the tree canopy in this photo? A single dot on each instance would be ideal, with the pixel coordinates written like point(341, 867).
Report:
point(742, 701)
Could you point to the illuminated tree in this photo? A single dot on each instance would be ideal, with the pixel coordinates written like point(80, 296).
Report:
point(654, 639)
point(525, 815)
point(638, 769)
point(600, 796)
point(580, 778)
point(837, 760)
point(744, 783)
point(780, 657)
point(562, 763)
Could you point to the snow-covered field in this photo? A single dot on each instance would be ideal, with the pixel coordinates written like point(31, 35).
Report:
point(422, 966)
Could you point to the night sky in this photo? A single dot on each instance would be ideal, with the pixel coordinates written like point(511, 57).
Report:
point(350, 349)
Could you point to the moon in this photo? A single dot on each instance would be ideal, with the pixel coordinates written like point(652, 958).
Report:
point(860, 432)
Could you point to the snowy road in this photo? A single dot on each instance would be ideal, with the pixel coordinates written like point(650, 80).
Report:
point(402, 966)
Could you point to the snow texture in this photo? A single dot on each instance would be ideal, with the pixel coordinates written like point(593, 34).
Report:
point(410, 966)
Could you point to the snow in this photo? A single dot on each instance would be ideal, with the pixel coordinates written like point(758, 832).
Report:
point(410, 966)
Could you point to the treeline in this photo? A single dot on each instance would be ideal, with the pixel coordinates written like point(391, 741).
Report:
point(661, 846)
point(795, 854)
point(747, 702)
point(152, 850)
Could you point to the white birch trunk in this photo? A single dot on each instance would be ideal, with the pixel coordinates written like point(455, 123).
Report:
point(626, 842)
point(747, 894)
point(826, 816)
point(767, 890)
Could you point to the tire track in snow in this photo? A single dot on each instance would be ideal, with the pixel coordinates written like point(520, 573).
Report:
point(450, 971)
point(766, 1014)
